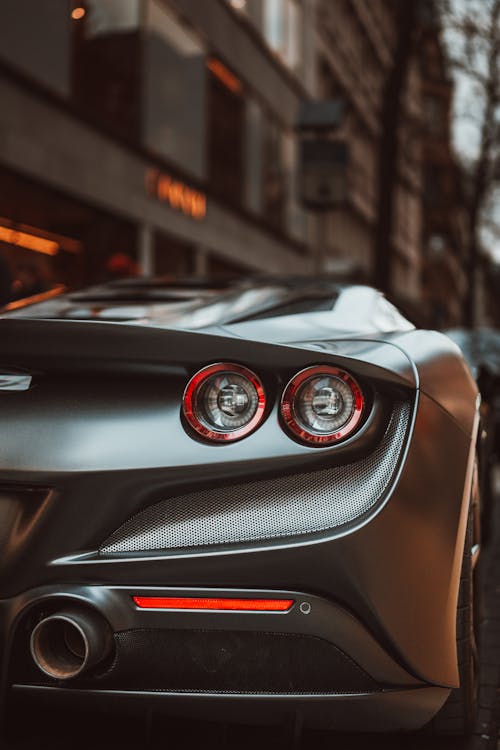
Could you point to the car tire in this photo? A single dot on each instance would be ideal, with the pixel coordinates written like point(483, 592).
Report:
point(458, 715)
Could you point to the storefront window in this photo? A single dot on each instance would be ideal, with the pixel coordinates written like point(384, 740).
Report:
point(48, 239)
point(174, 97)
point(36, 39)
point(172, 257)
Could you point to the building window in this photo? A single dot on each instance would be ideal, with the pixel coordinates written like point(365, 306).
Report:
point(36, 39)
point(106, 64)
point(283, 30)
point(174, 97)
point(223, 268)
point(274, 176)
point(143, 77)
point(250, 10)
point(294, 34)
point(296, 221)
point(270, 173)
point(239, 5)
point(274, 24)
point(226, 132)
point(254, 156)
point(172, 257)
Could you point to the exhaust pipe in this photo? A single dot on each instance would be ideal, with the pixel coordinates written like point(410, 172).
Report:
point(69, 643)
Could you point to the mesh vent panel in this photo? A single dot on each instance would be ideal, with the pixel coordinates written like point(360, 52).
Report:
point(216, 661)
point(268, 509)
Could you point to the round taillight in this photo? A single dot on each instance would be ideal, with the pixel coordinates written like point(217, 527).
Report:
point(322, 405)
point(224, 402)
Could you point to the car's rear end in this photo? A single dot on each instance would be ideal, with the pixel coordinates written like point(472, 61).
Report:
point(145, 563)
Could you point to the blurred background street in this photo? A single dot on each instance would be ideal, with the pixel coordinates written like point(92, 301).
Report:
point(155, 136)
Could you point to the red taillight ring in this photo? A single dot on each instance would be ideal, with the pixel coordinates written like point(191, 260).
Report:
point(191, 410)
point(288, 411)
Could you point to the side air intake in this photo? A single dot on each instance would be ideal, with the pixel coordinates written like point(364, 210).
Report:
point(285, 507)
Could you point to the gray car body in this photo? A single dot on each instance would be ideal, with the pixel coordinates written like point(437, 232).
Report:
point(98, 438)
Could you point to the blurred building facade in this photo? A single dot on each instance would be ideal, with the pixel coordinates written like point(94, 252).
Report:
point(356, 45)
point(445, 222)
point(162, 132)
point(159, 131)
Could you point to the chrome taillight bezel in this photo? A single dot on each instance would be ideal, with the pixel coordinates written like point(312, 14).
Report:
point(292, 421)
point(192, 412)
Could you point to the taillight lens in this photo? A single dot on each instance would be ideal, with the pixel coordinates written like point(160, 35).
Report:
point(224, 402)
point(222, 604)
point(322, 405)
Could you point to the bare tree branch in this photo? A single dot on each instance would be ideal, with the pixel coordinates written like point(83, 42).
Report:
point(472, 30)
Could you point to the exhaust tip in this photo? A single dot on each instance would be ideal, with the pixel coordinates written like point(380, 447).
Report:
point(67, 644)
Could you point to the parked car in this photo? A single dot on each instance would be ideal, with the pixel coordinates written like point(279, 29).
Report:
point(247, 499)
point(481, 350)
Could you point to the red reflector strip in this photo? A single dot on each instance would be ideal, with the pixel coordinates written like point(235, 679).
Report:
point(243, 605)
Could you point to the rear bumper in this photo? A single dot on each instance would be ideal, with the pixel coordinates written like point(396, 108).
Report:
point(391, 710)
point(316, 660)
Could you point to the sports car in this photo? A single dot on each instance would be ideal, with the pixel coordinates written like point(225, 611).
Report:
point(249, 499)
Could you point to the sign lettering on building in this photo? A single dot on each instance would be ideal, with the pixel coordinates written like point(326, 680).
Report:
point(176, 194)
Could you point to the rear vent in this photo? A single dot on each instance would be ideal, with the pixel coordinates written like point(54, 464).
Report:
point(223, 662)
point(286, 507)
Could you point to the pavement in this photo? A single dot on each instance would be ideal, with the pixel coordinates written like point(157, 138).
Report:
point(65, 731)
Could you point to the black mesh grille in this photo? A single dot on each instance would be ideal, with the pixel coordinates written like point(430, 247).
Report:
point(288, 506)
point(224, 662)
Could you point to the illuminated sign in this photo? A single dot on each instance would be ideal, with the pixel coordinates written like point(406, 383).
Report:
point(48, 243)
point(177, 194)
point(224, 75)
point(29, 241)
